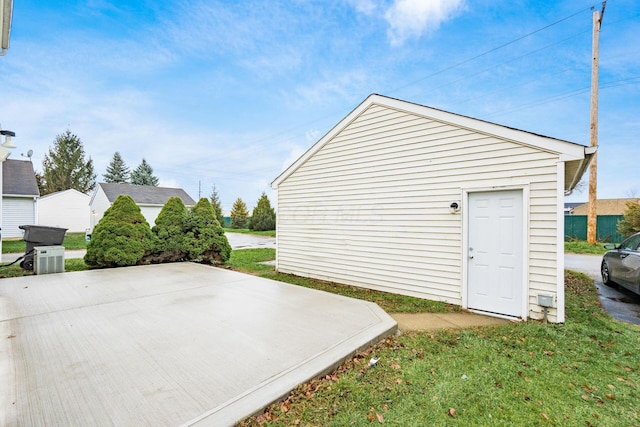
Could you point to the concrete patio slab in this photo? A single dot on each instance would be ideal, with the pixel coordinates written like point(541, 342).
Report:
point(166, 345)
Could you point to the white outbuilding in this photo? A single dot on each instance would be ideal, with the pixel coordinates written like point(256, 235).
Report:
point(404, 198)
point(150, 199)
point(65, 209)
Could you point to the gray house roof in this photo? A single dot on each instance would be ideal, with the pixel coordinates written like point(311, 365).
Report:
point(19, 179)
point(145, 194)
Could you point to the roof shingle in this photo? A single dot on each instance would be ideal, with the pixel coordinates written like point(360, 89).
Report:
point(145, 194)
point(18, 178)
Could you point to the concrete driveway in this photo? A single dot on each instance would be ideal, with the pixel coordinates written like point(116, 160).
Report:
point(619, 303)
point(166, 345)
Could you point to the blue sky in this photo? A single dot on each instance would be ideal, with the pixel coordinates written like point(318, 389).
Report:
point(229, 93)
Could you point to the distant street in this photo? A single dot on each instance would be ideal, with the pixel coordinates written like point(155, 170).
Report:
point(236, 240)
point(619, 303)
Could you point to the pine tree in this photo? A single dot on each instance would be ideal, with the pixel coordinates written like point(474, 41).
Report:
point(65, 167)
point(217, 206)
point(117, 171)
point(239, 214)
point(263, 217)
point(143, 175)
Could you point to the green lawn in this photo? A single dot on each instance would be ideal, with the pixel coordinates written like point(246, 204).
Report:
point(71, 241)
point(583, 373)
point(16, 271)
point(582, 247)
point(248, 261)
point(270, 233)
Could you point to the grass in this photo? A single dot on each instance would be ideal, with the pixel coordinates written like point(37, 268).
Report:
point(583, 373)
point(76, 264)
point(581, 247)
point(248, 261)
point(71, 241)
point(270, 233)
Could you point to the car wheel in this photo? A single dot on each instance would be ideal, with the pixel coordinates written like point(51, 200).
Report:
point(606, 278)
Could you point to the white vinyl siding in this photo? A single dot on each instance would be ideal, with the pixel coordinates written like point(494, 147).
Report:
point(98, 205)
point(66, 209)
point(17, 211)
point(150, 213)
point(371, 207)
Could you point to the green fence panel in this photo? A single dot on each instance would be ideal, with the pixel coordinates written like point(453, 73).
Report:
point(607, 228)
point(575, 228)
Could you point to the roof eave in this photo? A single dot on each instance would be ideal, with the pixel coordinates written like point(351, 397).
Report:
point(575, 169)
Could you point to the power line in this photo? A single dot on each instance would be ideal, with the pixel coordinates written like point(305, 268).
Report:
point(473, 58)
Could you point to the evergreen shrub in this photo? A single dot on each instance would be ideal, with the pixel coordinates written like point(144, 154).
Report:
point(121, 238)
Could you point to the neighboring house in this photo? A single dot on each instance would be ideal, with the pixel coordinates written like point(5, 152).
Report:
point(606, 207)
point(66, 209)
point(404, 198)
point(569, 207)
point(150, 199)
point(19, 195)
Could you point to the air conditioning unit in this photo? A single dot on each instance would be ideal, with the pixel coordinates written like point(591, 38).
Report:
point(48, 259)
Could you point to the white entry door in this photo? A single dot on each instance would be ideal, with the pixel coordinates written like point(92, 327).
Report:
point(494, 282)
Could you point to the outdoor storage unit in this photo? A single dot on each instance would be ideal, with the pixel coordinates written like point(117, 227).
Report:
point(48, 259)
point(404, 198)
point(36, 235)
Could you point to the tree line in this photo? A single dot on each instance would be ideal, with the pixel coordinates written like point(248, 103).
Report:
point(65, 167)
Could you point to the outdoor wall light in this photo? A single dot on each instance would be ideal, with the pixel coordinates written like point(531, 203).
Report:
point(454, 207)
point(7, 138)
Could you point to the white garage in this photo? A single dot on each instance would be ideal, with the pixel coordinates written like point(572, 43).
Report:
point(65, 209)
point(404, 198)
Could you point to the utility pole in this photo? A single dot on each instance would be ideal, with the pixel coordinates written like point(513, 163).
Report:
point(592, 214)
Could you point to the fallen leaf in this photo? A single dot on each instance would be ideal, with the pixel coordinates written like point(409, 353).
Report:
point(451, 412)
point(285, 406)
point(610, 386)
point(585, 397)
point(296, 422)
point(371, 417)
point(545, 416)
point(610, 396)
point(380, 418)
point(628, 369)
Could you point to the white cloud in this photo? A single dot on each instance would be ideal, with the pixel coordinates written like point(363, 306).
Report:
point(366, 7)
point(413, 18)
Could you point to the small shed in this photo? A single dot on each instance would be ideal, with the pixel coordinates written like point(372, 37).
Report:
point(65, 209)
point(19, 195)
point(404, 198)
point(149, 198)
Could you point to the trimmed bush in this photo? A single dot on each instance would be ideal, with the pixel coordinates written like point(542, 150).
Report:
point(121, 238)
point(263, 217)
point(204, 238)
point(168, 245)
